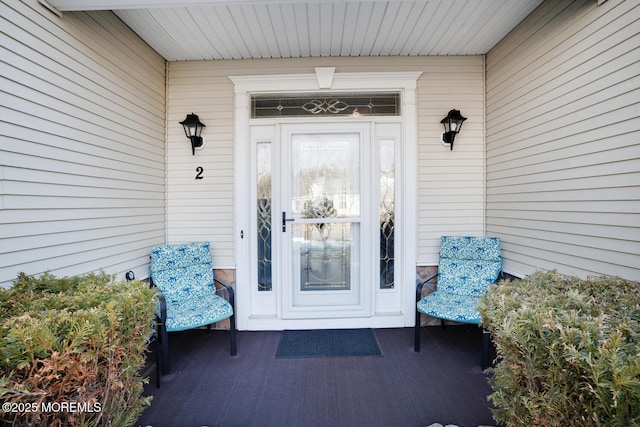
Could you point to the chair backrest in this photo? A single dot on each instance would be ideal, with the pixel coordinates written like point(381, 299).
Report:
point(181, 269)
point(468, 265)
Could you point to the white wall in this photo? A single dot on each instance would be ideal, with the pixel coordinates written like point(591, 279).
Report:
point(450, 183)
point(563, 140)
point(82, 131)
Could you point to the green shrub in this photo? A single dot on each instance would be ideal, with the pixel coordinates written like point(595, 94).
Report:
point(71, 350)
point(568, 350)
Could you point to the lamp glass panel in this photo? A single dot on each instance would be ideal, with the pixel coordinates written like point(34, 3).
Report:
point(190, 129)
point(198, 130)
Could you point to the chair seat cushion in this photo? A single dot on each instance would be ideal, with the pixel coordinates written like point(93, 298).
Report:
point(195, 311)
point(448, 306)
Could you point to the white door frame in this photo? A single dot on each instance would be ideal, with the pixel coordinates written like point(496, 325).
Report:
point(325, 79)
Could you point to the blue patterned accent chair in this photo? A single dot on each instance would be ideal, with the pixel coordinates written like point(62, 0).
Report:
point(183, 274)
point(468, 265)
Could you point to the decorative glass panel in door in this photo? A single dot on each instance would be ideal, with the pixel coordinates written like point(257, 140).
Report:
point(324, 220)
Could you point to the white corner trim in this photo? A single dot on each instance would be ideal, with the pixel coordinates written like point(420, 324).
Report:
point(50, 8)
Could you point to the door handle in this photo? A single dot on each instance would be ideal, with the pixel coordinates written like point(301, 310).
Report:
point(284, 221)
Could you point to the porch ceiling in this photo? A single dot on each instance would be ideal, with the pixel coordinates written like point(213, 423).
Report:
point(244, 29)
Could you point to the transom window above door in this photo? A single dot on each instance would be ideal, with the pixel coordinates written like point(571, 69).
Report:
point(332, 104)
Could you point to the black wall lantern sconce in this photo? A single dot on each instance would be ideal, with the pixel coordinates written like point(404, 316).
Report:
point(193, 129)
point(452, 124)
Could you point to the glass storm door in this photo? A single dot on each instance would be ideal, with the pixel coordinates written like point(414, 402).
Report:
point(322, 222)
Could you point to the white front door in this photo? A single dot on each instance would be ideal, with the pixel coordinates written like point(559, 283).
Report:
point(324, 250)
point(326, 227)
point(347, 258)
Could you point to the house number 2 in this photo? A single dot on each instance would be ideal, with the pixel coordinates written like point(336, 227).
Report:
point(200, 171)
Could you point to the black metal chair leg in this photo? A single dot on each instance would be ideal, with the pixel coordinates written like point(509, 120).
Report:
point(232, 333)
point(157, 350)
point(417, 333)
point(164, 344)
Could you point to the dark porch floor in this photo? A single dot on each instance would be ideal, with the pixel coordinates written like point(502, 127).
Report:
point(207, 387)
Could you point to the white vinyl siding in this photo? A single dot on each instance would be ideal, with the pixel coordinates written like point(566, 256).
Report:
point(82, 126)
point(563, 140)
point(201, 209)
point(450, 183)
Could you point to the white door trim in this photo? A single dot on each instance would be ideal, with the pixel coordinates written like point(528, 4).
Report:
point(245, 86)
